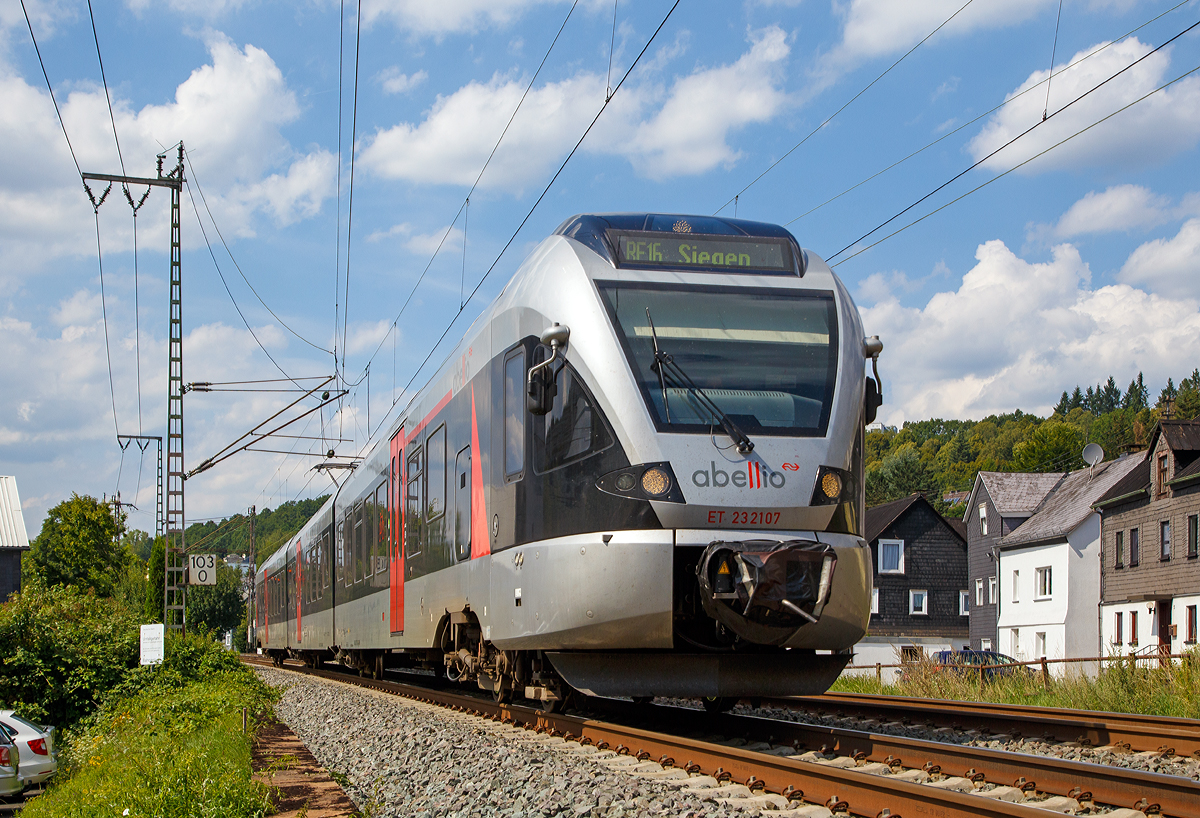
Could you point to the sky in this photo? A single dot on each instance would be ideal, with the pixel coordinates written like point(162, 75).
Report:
point(332, 149)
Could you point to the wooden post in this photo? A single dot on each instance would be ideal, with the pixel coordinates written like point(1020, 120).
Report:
point(1045, 674)
point(879, 674)
point(981, 680)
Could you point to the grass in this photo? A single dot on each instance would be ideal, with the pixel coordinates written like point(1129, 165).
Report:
point(168, 751)
point(1149, 689)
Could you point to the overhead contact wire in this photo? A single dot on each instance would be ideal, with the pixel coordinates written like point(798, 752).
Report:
point(50, 88)
point(350, 206)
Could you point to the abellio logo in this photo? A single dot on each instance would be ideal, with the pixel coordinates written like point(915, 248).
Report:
point(756, 476)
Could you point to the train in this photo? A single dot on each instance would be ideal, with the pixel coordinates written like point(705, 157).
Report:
point(639, 474)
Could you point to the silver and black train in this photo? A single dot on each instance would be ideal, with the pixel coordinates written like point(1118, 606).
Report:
point(638, 474)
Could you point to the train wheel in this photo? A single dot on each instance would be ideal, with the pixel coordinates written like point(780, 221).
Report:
point(719, 704)
point(503, 691)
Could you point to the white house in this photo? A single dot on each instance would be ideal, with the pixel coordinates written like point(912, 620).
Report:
point(1049, 571)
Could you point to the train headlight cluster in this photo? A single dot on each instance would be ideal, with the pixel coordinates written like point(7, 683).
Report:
point(833, 486)
point(656, 482)
point(646, 481)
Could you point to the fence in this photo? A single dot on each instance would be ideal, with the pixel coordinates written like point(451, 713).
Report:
point(1148, 657)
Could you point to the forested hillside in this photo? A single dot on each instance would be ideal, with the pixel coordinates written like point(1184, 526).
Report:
point(271, 529)
point(939, 456)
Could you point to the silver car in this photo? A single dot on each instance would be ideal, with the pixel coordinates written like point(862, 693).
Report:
point(10, 778)
point(38, 756)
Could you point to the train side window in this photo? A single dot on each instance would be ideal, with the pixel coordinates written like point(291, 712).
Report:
point(414, 504)
point(435, 474)
point(514, 415)
point(462, 504)
point(573, 428)
point(358, 543)
point(382, 528)
point(370, 535)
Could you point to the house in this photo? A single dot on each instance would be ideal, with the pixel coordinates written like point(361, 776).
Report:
point(1151, 561)
point(14, 540)
point(999, 502)
point(919, 602)
point(1049, 571)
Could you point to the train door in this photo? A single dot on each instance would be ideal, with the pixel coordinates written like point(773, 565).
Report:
point(396, 533)
point(299, 591)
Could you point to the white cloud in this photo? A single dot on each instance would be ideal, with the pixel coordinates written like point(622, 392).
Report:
point(447, 16)
point(686, 133)
point(1016, 333)
point(395, 82)
point(1167, 265)
point(1119, 208)
point(205, 9)
point(1149, 132)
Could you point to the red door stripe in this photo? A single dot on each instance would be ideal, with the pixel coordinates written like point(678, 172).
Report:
point(481, 545)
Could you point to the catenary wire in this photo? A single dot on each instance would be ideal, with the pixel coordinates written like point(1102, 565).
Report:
point(1053, 53)
point(199, 189)
point(112, 393)
point(1022, 164)
point(350, 205)
point(847, 104)
point(104, 80)
point(337, 244)
point(546, 190)
point(479, 176)
point(989, 112)
point(1023, 133)
point(50, 88)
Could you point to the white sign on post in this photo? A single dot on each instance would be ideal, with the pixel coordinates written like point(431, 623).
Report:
point(202, 569)
point(152, 644)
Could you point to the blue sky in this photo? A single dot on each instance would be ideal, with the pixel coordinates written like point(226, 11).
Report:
point(1077, 265)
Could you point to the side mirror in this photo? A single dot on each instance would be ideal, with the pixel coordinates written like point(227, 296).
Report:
point(872, 400)
point(540, 389)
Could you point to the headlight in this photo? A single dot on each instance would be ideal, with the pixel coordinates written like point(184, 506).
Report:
point(656, 482)
point(831, 485)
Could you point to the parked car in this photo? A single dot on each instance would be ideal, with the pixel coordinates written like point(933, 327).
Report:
point(969, 662)
point(39, 757)
point(10, 774)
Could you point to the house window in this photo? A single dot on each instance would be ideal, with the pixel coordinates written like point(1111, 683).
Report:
point(1016, 588)
point(1191, 535)
point(979, 593)
point(911, 653)
point(1164, 540)
point(1045, 586)
point(964, 603)
point(1118, 628)
point(1039, 643)
point(985, 644)
point(1133, 634)
point(918, 603)
point(1014, 642)
point(991, 590)
point(983, 519)
point(1119, 562)
point(1162, 473)
point(874, 600)
point(1135, 547)
point(891, 556)
point(1190, 634)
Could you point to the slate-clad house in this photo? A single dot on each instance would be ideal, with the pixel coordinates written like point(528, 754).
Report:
point(1151, 561)
point(919, 601)
point(1049, 569)
point(14, 541)
point(998, 504)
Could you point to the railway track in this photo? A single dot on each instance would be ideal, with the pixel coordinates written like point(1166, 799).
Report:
point(1123, 731)
point(810, 770)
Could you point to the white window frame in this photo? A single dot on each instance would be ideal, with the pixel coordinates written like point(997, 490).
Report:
point(874, 600)
point(1043, 582)
point(1016, 586)
point(964, 603)
point(985, 643)
point(1014, 643)
point(1039, 643)
point(983, 528)
point(991, 590)
point(900, 544)
point(912, 609)
point(979, 592)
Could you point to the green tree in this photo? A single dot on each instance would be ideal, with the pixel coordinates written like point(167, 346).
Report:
point(216, 607)
point(1137, 395)
point(904, 472)
point(80, 545)
point(1053, 446)
point(138, 542)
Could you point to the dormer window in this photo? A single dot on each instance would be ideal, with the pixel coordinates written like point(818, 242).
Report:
point(983, 519)
point(1162, 474)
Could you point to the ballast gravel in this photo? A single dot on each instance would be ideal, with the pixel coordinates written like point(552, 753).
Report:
point(1070, 751)
point(401, 757)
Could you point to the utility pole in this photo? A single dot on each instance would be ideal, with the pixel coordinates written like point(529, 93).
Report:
point(173, 575)
point(143, 441)
point(253, 571)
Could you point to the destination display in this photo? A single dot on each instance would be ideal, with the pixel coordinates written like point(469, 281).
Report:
point(726, 253)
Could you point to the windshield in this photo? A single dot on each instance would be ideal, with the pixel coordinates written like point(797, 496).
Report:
point(765, 357)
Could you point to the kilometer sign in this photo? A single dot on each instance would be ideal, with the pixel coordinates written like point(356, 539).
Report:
point(202, 569)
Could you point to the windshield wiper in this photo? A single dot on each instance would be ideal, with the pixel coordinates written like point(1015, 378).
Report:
point(666, 368)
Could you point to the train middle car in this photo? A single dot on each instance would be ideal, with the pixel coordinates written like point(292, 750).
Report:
point(638, 474)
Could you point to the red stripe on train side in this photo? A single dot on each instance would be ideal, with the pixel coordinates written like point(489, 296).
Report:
point(417, 429)
point(481, 546)
point(299, 592)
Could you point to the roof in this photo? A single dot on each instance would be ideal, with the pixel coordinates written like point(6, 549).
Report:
point(12, 523)
point(1181, 435)
point(878, 518)
point(1071, 502)
point(1135, 481)
point(1014, 494)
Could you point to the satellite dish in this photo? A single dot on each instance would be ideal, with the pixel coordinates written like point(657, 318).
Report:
point(1092, 454)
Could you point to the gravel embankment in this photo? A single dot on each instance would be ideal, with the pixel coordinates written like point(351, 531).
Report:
point(407, 758)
